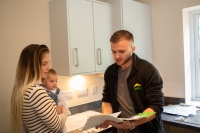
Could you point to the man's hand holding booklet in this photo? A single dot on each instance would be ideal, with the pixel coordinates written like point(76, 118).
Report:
point(99, 119)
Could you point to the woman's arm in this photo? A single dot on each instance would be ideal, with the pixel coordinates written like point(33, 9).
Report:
point(62, 101)
point(45, 109)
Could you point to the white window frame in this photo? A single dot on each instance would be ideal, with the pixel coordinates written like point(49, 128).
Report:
point(190, 61)
point(195, 29)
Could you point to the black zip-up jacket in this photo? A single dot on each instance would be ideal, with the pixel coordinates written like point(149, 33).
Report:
point(145, 88)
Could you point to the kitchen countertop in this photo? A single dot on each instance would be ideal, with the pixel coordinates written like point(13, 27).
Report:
point(167, 119)
point(170, 120)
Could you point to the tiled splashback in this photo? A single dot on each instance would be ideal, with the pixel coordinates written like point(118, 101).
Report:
point(85, 107)
point(173, 100)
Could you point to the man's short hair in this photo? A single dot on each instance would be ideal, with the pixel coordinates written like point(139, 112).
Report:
point(120, 35)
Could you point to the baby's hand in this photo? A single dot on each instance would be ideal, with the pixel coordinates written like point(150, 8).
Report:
point(59, 109)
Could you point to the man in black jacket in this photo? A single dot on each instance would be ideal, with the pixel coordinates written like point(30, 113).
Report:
point(132, 85)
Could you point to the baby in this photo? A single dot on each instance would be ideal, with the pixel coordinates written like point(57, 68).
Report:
point(50, 84)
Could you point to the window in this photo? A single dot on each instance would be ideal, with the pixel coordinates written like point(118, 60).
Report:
point(196, 30)
point(191, 31)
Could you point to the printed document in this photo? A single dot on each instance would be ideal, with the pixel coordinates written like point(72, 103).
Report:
point(100, 119)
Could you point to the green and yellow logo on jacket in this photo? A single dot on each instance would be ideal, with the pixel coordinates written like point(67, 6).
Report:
point(137, 87)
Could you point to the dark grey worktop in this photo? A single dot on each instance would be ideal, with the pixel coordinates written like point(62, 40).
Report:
point(167, 118)
point(170, 120)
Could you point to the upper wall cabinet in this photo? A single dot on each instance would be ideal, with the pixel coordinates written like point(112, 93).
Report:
point(136, 18)
point(80, 31)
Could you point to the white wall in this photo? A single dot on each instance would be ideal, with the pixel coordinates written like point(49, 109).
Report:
point(23, 22)
point(72, 83)
point(167, 30)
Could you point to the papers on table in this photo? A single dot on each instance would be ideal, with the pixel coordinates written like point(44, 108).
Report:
point(77, 121)
point(180, 110)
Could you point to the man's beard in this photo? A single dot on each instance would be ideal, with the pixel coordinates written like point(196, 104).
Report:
point(126, 60)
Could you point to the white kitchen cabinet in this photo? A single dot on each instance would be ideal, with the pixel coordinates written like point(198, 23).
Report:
point(80, 32)
point(136, 18)
point(103, 29)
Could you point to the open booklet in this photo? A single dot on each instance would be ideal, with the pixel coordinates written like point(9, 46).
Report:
point(97, 120)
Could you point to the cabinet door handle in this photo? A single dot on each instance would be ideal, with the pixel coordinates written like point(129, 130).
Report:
point(77, 61)
point(99, 61)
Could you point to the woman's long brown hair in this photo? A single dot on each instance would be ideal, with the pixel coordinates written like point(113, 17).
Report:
point(28, 72)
